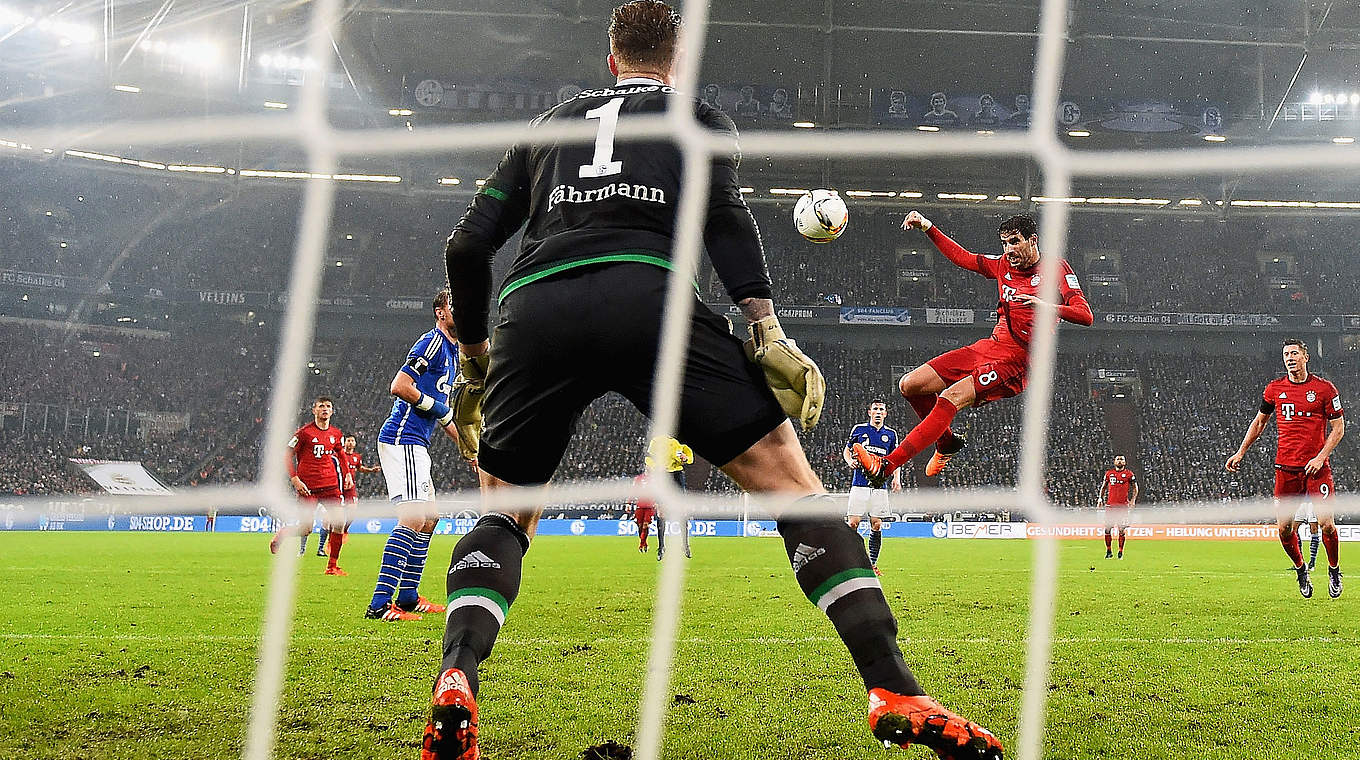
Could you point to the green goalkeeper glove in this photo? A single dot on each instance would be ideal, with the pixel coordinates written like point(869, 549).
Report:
point(797, 383)
point(465, 398)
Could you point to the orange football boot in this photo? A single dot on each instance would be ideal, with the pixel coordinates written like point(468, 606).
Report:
point(876, 469)
point(451, 733)
point(391, 614)
point(943, 454)
point(895, 719)
point(335, 570)
point(428, 607)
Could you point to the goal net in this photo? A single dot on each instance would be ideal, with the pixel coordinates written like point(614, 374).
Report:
point(1066, 180)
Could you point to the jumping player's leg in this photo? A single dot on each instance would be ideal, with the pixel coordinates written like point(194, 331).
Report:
point(921, 388)
point(960, 395)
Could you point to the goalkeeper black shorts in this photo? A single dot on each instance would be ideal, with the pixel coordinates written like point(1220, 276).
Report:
point(566, 340)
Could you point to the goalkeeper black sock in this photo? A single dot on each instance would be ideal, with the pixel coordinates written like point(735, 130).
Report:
point(483, 581)
point(875, 546)
point(1314, 540)
point(833, 571)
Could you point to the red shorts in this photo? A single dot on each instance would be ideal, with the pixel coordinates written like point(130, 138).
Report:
point(323, 496)
point(1298, 484)
point(998, 370)
point(1116, 515)
point(351, 497)
point(644, 514)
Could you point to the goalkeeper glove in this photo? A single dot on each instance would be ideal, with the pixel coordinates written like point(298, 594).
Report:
point(465, 397)
point(797, 383)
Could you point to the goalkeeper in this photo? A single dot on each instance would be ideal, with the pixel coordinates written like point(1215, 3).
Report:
point(581, 313)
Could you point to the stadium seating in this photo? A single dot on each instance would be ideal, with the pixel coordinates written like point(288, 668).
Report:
point(1191, 416)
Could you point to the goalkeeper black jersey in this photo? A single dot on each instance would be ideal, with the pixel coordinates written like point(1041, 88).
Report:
point(591, 204)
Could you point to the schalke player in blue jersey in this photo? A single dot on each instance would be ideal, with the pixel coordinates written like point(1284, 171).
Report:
point(873, 436)
point(421, 408)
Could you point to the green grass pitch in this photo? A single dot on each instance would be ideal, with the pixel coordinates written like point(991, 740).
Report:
point(144, 646)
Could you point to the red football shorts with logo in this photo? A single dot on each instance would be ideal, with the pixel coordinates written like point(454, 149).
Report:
point(323, 496)
point(998, 370)
point(1293, 482)
point(644, 515)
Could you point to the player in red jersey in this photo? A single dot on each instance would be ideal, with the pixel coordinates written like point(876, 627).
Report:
point(351, 464)
point(643, 513)
point(353, 460)
point(992, 368)
point(1310, 423)
point(1119, 493)
point(315, 470)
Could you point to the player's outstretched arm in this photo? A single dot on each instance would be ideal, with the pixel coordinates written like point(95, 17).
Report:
point(1254, 430)
point(956, 253)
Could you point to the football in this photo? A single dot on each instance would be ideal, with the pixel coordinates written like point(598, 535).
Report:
point(820, 216)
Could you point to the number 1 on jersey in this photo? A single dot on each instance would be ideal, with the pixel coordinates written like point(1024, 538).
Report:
point(604, 164)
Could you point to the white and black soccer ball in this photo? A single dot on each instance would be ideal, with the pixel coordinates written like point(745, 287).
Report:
point(820, 216)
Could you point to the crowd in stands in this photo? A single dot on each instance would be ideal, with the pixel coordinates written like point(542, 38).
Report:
point(1190, 416)
point(198, 235)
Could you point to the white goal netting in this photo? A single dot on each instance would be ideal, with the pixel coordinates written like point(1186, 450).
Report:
point(308, 127)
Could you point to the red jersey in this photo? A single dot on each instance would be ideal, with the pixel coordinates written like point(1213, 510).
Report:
point(349, 465)
point(1118, 485)
point(317, 456)
point(1015, 321)
point(1301, 414)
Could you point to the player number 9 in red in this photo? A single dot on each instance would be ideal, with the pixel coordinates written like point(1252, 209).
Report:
point(1324, 490)
point(987, 378)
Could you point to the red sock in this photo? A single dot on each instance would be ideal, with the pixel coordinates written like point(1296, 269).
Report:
point(1290, 539)
point(333, 543)
point(929, 431)
point(1331, 541)
point(923, 404)
point(642, 534)
point(1121, 540)
point(1107, 540)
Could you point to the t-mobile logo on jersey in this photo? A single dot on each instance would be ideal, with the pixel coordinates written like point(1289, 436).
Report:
point(1287, 411)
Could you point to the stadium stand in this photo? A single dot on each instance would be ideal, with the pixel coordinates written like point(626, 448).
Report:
point(1190, 416)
